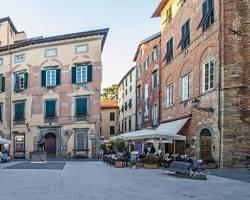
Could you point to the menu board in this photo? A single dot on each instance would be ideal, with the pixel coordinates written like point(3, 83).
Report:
point(138, 146)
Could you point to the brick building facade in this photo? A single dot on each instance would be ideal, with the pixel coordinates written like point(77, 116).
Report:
point(147, 60)
point(50, 92)
point(205, 75)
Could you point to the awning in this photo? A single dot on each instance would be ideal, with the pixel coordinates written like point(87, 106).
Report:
point(171, 129)
point(138, 135)
point(4, 141)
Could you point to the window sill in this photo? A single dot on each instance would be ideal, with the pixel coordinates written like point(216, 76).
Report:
point(81, 118)
point(18, 90)
point(51, 87)
point(208, 91)
point(170, 107)
point(19, 121)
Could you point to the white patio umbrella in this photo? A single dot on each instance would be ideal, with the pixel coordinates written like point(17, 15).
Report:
point(4, 141)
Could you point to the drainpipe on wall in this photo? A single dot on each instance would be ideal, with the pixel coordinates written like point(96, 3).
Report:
point(10, 117)
point(219, 82)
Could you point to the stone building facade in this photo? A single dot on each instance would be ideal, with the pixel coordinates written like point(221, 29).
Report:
point(109, 118)
point(127, 102)
point(205, 75)
point(50, 92)
point(147, 60)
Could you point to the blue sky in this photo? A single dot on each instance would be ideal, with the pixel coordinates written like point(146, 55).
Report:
point(129, 22)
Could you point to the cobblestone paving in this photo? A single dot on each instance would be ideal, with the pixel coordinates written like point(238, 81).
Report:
point(94, 180)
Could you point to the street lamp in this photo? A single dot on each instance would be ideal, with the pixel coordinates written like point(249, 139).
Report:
point(196, 105)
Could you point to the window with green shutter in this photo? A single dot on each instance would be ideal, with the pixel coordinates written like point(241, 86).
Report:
point(82, 73)
point(1, 112)
point(50, 108)
point(19, 111)
point(130, 103)
point(81, 106)
point(51, 77)
point(2, 83)
point(21, 81)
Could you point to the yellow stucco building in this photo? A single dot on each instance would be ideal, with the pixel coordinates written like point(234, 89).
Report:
point(50, 91)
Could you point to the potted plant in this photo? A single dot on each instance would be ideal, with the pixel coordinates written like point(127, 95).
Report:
point(119, 163)
point(120, 146)
point(150, 162)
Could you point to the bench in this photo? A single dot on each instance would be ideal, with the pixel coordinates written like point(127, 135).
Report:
point(178, 167)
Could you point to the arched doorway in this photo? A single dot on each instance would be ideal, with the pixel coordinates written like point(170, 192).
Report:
point(50, 144)
point(206, 145)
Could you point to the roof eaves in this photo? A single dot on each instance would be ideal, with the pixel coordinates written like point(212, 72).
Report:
point(40, 40)
point(147, 40)
point(159, 8)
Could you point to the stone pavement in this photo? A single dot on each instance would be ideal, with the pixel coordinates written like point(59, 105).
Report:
point(95, 180)
point(236, 174)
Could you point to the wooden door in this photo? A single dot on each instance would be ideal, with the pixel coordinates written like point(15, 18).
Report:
point(206, 143)
point(50, 144)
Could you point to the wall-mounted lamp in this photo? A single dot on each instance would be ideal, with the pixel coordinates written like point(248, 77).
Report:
point(27, 126)
point(196, 105)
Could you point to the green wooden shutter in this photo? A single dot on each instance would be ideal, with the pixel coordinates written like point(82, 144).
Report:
point(81, 106)
point(43, 78)
point(73, 74)
point(1, 117)
point(50, 108)
point(89, 73)
point(17, 82)
point(58, 76)
point(25, 80)
point(3, 84)
point(19, 111)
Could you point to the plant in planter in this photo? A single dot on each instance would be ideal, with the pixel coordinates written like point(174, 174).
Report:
point(150, 162)
point(119, 163)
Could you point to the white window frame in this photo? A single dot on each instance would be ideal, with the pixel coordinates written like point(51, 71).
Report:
point(82, 48)
point(170, 95)
point(21, 81)
point(50, 53)
point(145, 64)
point(208, 62)
point(50, 77)
point(19, 58)
point(186, 87)
point(155, 73)
point(1, 61)
point(155, 113)
point(80, 76)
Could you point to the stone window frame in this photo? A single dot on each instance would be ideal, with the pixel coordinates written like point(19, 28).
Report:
point(1, 112)
point(113, 129)
point(208, 61)
point(155, 113)
point(24, 114)
point(50, 56)
point(85, 135)
point(169, 101)
point(1, 59)
point(19, 60)
point(49, 76)
point(81, 45)
point(189, 88)
point(56, 107)
point(83, 79)
point(112, 116)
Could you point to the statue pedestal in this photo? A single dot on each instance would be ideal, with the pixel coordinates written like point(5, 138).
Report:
point(38, 156)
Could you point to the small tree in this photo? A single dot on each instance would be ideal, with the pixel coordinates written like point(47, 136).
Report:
point(110, 93)
point(120, 146)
